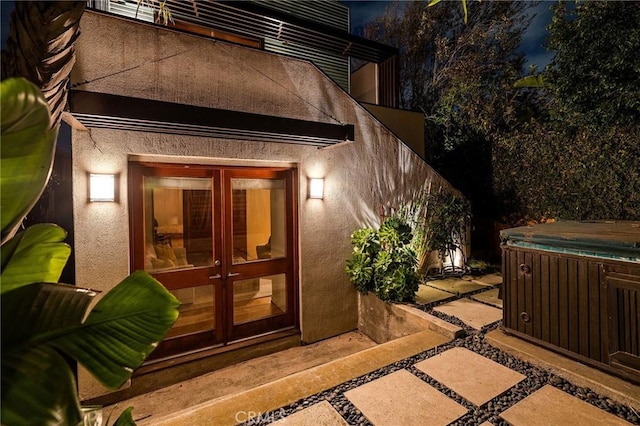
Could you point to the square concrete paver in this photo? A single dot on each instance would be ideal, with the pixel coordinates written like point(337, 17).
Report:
point(456, 285)
point(472, 376)
point(489, 279)
point(426, 294)
point(550, 406)
point(320, 414)
point(401, 398)
point(474, 314)
point(489, 296)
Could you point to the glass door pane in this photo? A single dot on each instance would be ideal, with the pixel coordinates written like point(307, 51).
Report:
point(197, 310)
point(259, 260)
point(259, 219)
point(223, 241)
point(179, 247)
point(258, 298)
point(178, 223)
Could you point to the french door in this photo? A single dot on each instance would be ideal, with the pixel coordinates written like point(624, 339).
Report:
point(223, 241)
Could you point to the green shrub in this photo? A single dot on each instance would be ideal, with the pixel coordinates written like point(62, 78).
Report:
point(448, 216)
point(568, 174)
point(383, 261)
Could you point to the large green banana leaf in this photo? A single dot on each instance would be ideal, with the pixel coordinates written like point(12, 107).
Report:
point(40, 321)
point(46, 398)
point(34, 255)
point(27, 146)
point(122, 329)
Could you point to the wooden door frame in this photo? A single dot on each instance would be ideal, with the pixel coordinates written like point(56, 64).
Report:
point(222, 246)
point(287, 265)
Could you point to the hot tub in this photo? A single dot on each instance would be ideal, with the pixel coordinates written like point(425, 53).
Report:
point(574, 287)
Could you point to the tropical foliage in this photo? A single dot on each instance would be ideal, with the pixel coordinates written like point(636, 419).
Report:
point(383, 261)
point(45, 323)
point(40, 48)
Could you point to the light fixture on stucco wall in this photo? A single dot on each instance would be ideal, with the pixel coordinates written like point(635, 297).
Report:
point(316, 188)
point(102, 187)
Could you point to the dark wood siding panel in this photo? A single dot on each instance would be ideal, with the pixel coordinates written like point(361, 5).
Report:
point(583, 308)
point(586, 308)
point(572, 289)
point(554, 309)
point(528, 298)
point(628, 310)
point(537, 282)
point(545, 297)
point(563, 303)
point(595, 324)
point(522, 295)
point(514, 287)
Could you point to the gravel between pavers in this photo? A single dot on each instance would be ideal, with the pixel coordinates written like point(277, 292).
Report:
point(536, 378)
point(473, 340)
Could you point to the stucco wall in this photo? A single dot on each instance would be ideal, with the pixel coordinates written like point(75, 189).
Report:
point(361, 178)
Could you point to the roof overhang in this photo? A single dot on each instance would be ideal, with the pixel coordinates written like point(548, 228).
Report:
point(107, 111)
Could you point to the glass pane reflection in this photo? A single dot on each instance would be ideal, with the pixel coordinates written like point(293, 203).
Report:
point(259, 219)
point(178, 223)
point(258, 298)
point(197, 310)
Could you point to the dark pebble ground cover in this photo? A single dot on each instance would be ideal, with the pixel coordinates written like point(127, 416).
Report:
point(475, 341)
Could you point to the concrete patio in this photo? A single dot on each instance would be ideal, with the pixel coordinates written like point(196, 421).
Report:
point(428, 377)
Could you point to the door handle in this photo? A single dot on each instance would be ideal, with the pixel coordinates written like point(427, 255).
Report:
point(215, 277)
point(233, 274)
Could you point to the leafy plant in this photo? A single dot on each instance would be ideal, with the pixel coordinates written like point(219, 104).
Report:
point(447, 218)
point(464, 8)
point(43, 321)
point(160, 10)
point(27, 151)
point(383, 261)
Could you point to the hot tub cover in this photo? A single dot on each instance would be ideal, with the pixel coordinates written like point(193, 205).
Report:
point(607, 239)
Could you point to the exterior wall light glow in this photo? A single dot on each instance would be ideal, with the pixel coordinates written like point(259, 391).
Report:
point(102, 187)
point(316, 188)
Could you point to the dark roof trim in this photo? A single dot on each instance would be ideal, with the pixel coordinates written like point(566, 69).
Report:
point(102, 110)
point(285, 27)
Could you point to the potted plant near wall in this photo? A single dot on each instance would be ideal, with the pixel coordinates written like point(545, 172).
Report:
point(383, 261)
point(44, 323)
point(447, 219)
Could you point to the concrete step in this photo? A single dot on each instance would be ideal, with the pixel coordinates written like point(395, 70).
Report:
point(233, 409)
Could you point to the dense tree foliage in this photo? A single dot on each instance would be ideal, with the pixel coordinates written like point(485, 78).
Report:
point(568, 150)
point(461, 77)
point(455, 72)
point(595, 74)
point(582, 160)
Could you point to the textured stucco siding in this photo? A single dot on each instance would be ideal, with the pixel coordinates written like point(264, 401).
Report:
point(376, 171)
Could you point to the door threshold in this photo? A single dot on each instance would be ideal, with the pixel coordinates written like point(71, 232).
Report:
point(162, 363)
point(168, 371)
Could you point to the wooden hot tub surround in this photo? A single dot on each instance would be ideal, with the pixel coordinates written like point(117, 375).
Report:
point(574, 287)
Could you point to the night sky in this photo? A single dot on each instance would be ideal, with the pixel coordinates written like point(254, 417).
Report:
point(363, 11)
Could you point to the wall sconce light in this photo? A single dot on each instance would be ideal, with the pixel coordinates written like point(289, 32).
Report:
point(102, 187)
point(316, 188)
